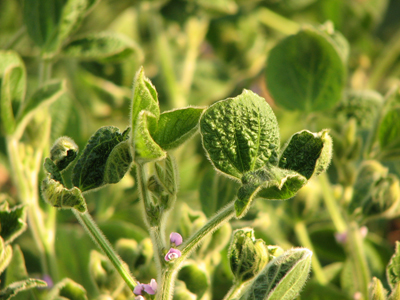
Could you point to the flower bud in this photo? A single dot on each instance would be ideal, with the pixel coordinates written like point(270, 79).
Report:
point(247, 256)
point(63, 152)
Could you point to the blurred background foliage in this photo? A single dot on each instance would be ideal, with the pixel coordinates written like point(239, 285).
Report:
point(197, 52)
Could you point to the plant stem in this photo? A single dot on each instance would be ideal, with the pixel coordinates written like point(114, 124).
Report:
point(331, 203)
point(358, 259)
point(304, 239)
point(235, 291)
point(169, 274)
point(88, 223)
point(275, 21)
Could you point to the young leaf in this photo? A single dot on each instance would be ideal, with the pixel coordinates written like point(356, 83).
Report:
point(59, 196)
point(282, 278)
point(195, 278)
point(307, 153)
point(16, 270)
point(42, 97)
point(53, 171)
point(271, 183)
point(63, 152)
point(305, 71)
point(146, 149)
point(376, 290)
point(69, 289)
point(5, 255)
point(109, 46)
point(176, 126)
point(393, 268)
point(20, 286)
point(12, 223)
point(240, 134)
point(103, 160)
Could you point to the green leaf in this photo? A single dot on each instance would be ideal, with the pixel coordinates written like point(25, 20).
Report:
point(103, 273)
point(109, 46)
point(5, 255)
point(104, 160)
point(12, 223)
point(195, 278)
point(307, 153)
point(67, 289)
point(20, 286)
point(389, 130)
point(46, 95)
point(8, 58)
point(216, 191)
point(376, 290)
point(168, 175)
point(305, 72)
point(63, 152)
point(176, 126)
point(59, 196)
point(271, 183)
point(240, 134)
point(52, 169)
point(144, 98)
point(16, 270)
point(393, 268)
point(282, 278)
point(146, 149)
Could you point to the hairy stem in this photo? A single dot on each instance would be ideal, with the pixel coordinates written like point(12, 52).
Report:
point(302, 235)
point(98, 237)
point(235, 291)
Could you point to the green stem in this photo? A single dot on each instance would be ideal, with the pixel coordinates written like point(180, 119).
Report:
point(331, 203)
point(275, 21)
point(304, 239)
point(235, 291)
point(358, 259)
point(169, 274)
point(88, 223)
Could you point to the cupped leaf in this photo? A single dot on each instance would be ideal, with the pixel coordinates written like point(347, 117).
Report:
point(59, 196)
point(282, 278)
point(109, 46)
point(393, 268)
point(195, 278)
point(306, 72)
point(53, 171)
point(63, 152)
point(307, 153)
point(46, 95)
point(5, 255)
point(176, 126)
point(376, 290)
point(12, 223)
point(67, 289)
point(240, 134)
point(389, 130)
point(104, 160)
point(20, 286)
point(146, 149)
point(271, 183)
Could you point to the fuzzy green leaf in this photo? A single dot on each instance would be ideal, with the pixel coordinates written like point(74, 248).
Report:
point(104, 160)
point(5, 255)
point(67, 289)
point(176, 126)
point(271, 183)
point(168, 175)
point(12, 223)
point(306, 72)
point(389, 130)
point(63, 152)
point(109, 46)
point(195, 278)
point(376, 290)
point(20, 286)
point(59, 196)
point(307, 153)
point(146, 149)
point(240, 134)
point(393, 268)
point(16, 270)
point(282, 278)
point(46, 95)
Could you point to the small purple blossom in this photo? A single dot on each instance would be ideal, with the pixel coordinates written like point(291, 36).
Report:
point(172, 254)
point(150, 289)
point(175, 238)
point(138, 290)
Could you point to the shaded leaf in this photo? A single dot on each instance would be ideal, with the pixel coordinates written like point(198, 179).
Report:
point(306, 72)
point(195, 278)
point(12, 223)
point(176, 126)
point(103, 273)
point(67, 289)
point(103, 159)
point(240, 134)
point(20, 286)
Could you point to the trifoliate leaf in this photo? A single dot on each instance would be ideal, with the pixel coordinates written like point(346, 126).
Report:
point(20, 286)
point(12, 223)
point(103, 160)
point(240, 134)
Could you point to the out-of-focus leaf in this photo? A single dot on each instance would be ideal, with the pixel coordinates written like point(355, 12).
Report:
point(219, 6)
point(20, 286)
point(12, 223)
point(282, 278)
point(117, 229)
point(5, 255)
point(103, 273)
point(176, 126)
point(195, 278)
point(376, 290)
point(305, 72)
point(104, 160)
point(67, 289)
point(314, 291)
point(107, 46)
point(240, 134)
point(16, 270)
point(389, 130)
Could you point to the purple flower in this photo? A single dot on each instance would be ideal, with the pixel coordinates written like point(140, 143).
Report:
point(175, 238)
point(172, 254)
point(150, 288)
point(139, 288)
